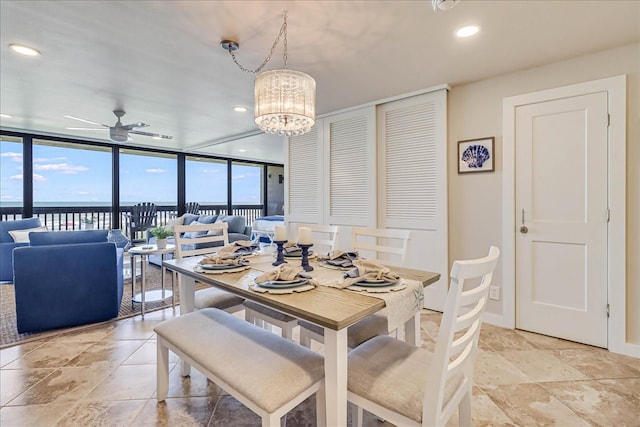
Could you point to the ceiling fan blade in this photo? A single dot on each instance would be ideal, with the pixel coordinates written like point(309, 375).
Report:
point(132, 126)
point(85, 128)
point(154, 135)
point(86, 121)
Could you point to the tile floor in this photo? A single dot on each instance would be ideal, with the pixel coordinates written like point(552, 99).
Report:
point(105, 376)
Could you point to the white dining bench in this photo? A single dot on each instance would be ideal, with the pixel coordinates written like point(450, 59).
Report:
point(265, 372)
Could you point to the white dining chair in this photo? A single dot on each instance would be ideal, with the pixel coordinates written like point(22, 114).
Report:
point(386, 245)
point(324, 239)
point(197, 239)
point(410, 386)
point(323, 236)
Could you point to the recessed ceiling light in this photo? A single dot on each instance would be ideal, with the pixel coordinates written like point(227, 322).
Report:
point(156, 137)
point(467, 31)
point(5, 116)
point(24, 50)
point(240, 109)
point(242, 150)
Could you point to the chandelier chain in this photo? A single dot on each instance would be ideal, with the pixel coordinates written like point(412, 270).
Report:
point(283, 31)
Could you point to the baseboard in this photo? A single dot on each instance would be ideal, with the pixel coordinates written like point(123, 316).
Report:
point(627, 349)
point(495, 319)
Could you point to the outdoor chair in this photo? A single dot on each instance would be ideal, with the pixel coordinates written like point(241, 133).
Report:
point(192, 208)
point(427, 388)
point(141, 218)
point(373, 242)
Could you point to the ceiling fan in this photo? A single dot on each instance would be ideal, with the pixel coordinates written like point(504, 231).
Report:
point(120, 132)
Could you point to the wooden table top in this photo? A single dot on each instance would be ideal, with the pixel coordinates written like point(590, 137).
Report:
point(324, 306)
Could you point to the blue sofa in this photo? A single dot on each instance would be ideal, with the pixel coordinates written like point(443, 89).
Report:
point(238, 230)
point(7, 245)
point(67, 278)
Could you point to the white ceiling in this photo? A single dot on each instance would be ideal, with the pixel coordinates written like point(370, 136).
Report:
point(161, 61)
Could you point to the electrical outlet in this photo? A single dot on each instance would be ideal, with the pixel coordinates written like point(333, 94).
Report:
point(494, 293)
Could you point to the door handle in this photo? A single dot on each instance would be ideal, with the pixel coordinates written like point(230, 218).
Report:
point(524, 229)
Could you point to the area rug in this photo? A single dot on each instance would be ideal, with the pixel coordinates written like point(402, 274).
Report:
point(9, 335)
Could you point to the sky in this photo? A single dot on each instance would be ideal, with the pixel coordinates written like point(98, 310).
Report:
point(71, 175)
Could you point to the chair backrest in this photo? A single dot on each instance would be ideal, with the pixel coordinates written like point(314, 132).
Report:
point(142, 217)
point(450, 374)
point(374, 242)
point(323, 236)
point(196, 239)
point(192, 208)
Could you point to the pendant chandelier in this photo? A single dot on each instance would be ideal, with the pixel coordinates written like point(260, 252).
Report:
point(285, 100)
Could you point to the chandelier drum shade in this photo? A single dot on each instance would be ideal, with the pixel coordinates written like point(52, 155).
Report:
point(285, 102)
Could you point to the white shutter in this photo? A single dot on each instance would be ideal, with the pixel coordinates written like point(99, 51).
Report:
point(350, 196)
point(304, 169)
point(412, 173)
point(412, 161)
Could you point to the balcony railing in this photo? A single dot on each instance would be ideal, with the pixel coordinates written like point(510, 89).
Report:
point(73, 217)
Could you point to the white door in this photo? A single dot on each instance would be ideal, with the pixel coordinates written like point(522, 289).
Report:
point(561, 203)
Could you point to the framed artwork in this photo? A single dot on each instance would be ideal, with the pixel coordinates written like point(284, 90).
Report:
point(476, 155)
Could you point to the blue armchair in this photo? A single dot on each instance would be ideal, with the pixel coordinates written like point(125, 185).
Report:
point(7, 244)
point(67, 278)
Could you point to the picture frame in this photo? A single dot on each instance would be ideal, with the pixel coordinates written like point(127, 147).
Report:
point(476, 155)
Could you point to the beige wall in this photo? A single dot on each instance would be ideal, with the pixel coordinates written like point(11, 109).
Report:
point(475, 201)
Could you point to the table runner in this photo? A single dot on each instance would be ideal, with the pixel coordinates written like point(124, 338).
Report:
point(400, 304)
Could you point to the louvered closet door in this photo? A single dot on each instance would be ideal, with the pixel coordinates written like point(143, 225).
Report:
point(303, 181)
point(350, 160)
point(412, 187)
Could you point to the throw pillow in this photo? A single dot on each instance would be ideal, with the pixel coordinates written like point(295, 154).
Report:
point(209, 219)
point(215, 232)
point(236, 222)
point(22, 236)
point(175, 221)
point(194, 234)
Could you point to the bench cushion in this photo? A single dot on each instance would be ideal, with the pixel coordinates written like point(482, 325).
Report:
point(265, 368)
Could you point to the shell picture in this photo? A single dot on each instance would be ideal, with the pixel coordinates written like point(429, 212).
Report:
point(475, 155)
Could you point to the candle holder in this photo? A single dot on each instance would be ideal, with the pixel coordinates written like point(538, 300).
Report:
point(305, 256)
point(279, 257)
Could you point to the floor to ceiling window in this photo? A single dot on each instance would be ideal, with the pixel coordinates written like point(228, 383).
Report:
point(11, 178)
point(148, 177)
point(206, 181)
point(69, 176)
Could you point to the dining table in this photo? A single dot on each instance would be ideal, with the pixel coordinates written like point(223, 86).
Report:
point(332, 308)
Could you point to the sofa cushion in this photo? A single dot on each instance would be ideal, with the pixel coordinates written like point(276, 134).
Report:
point(189, 218)
point(64, 237)
point(194, 234)
point(207, 219)
point(22, 236)
point(236, 222)
point(19, 224)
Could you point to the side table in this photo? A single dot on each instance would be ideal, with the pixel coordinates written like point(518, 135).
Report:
point(156, 295)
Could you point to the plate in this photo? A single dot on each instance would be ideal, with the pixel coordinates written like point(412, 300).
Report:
point(284, 284)
point(374, 283)
point(218, 266)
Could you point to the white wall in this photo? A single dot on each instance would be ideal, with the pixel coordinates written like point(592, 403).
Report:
point(475, 201)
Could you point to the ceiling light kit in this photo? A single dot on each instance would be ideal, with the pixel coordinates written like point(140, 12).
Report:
point(468, 31)
point(285, 100)
point(24, 50)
